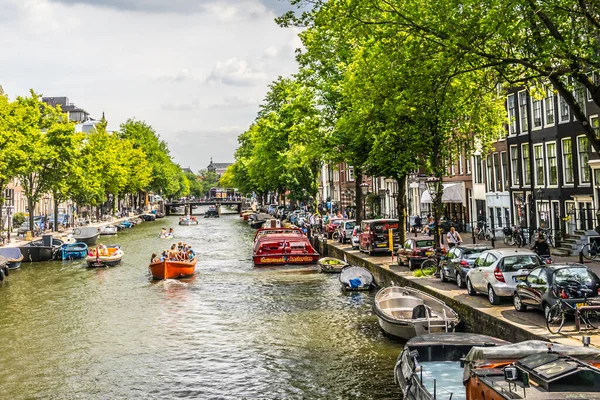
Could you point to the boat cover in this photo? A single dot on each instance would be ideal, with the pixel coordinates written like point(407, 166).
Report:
point(10, 253)
point(358, 275)
point(481, 355)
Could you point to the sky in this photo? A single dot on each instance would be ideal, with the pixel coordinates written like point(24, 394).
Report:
point(195, 70)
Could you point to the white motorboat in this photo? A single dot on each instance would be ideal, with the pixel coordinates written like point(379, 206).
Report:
point(355, 278)
point(109, 230)
point(405, 312)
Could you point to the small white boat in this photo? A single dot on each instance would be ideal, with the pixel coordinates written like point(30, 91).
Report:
point(168, 235)
point(331, 265)
point(405, 312)
point(188, 220)
point(353, 278)
point(104, 256)
point(109, 230)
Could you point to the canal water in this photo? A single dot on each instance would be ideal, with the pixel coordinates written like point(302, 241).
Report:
point(231, 332)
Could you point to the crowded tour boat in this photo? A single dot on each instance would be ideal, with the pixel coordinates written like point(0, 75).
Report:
point(279, 246)
point(177, 262)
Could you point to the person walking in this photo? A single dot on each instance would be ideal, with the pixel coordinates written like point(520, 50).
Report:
point(453, 237)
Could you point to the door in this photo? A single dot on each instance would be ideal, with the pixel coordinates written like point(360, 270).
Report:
point(539, 288)
point(526, 289)
point(447, 262)
point(476, 274)
point(403, 252)
point(487, 272)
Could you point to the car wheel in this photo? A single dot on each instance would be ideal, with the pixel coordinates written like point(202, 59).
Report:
point(398, 261)
point(411, 265)
point(518, 303)
point(459, 280)
point(443, 277)
point(470, 290)
point(495, 300)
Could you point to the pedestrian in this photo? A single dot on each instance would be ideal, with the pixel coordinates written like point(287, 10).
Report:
point(540, 247)
point(453, 237)
point(418, 223)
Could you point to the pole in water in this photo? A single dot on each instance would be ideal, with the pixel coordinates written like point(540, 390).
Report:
point(434, 389)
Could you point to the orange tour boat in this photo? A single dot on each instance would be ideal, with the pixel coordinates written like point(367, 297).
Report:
point(277, 246)
point(172, 269)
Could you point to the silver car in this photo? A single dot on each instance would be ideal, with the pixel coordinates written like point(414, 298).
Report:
point(355, 240)
point(497, 272)
point(345, 230)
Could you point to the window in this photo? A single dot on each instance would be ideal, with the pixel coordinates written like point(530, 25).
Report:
point(538, 154)
point(595, 124)
point(526, 164)
point(460, 165)
point(478, 170)
point(499, 216)
point(468, 162)
point(452, 171)
point(552, 167)
point(523, 111)
point(549, 106)
point(504, 161)
point(567, 151)
point(490, 176)
point(514, 165)
point(489, 260)
point(578, 94)
point(583, 148)
point(565, 115)
point(497, 172)
point(507, 216)
point(350, 174)
point(536, 111)
point(512, 114)
point(543, 278)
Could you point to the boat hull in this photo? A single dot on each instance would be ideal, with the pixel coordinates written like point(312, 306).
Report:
point(188, 222)
point(38, 253)
point(89, 240)
point(283, 259)
point(172, 269)
point(331, 268)
point(94, 262)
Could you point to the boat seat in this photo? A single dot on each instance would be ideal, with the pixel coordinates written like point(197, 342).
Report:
point(421, 311)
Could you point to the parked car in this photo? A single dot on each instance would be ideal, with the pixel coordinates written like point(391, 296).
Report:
point(544, 284)
point(332, 226)
point(345, 230)
point(458, 262)
point(374, 235)
point(497, 272)
point(22, 230)
point(355, 238)
point(414, 251)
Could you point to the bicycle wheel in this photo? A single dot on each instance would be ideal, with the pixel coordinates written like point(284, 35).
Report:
point(518, 240)
point(591, 319)
point(508, 240)
point(550, 240)
point(555, 319)
point(428, 267)
point(589, 252)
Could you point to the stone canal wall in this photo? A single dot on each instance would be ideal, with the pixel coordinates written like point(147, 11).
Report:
point(473, 319)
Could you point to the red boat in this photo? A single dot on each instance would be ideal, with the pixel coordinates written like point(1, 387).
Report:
point(278, 246)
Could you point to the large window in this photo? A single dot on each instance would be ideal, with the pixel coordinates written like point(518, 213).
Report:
point(595, 124)
point(549, 107)
point(497, 172)
point(552, 167)
point(567, 151)
point(505, 178)
point(565, 115)
point(538, 154)
point(536, 111)
point(526, 164)
point(583, 148)
point(350, 174)
point(514, 165)
point(478, 170)
point(523, 111)
point(579, 94)
point(468, 162)
point(512, 114)
point(490, 174)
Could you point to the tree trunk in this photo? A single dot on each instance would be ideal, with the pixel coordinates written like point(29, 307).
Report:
point(401, 208)
point(359, 196)
point(55, 222)
point(30, 206)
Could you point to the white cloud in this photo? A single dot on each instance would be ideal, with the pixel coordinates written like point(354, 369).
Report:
point(236, 72)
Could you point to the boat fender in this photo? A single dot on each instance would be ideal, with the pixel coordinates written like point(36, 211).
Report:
point(6, 270)
point(1, 275)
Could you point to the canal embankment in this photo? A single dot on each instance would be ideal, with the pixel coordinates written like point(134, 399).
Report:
point(477, 314)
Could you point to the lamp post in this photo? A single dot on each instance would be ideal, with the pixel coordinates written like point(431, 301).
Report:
point(433, 186)
point(395, 207)
point(364, 187)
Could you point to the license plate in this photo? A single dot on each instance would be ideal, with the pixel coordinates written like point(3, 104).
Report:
point(578, 305)
point(382, 245)
point(519, 278)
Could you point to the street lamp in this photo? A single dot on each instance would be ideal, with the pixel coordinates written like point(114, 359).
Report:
point(395, 210)
point(434, 187)
point(364, 187)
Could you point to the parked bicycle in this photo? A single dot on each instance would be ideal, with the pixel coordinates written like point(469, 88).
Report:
point(431, 265)
point(514, 236)
point(585, 311)
point(546, 234)
point(484, 232)
point(591, 250)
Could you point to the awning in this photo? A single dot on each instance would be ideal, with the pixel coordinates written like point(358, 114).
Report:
point(453, 193)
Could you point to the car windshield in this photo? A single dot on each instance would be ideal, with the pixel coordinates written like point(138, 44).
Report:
point(578, 274)
point(515, 263)
point(472, 255)
point(424, 243)
point(336, 222)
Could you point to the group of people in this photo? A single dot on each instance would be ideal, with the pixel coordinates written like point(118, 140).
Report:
point(163, 232)
point(177, 252)
point(190, 217)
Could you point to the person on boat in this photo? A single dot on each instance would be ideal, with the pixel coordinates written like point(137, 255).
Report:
point(164, 255)
point(179, 246)
point(163, 231)
point(171, 231)
point(153, 259)
point(190, 254)
point(173, 252)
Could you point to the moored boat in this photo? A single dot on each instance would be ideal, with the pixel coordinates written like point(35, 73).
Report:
point(188, 220)
point(282, 246)
point(331, 265)
point(430, 366)
point(109, 230)
point(167, 269)
point(13, 256)
point(125, 224)
point(104, 256)
point(4, 270)
point(404, 312)
point(148, 217)
point(74, 251)
point(353, 278)
point(212, 212)
point(44, 249)
point(532, 370)
point(86, 234)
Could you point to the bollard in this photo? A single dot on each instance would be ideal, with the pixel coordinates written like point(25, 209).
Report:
point(580, 257)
